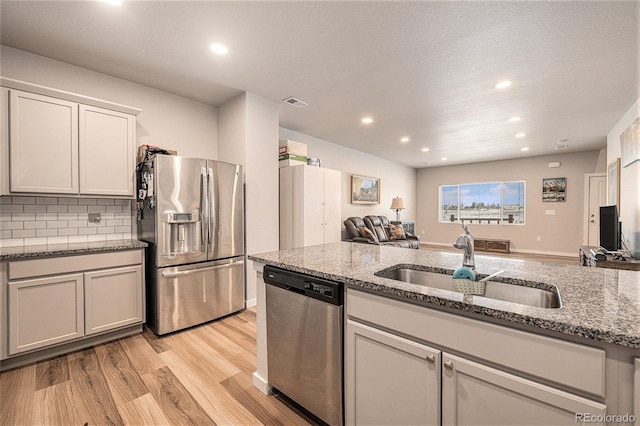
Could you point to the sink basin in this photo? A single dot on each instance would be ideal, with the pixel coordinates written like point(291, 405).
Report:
point(548, 297)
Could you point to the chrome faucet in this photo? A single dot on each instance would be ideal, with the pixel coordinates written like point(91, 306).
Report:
point(465, 242)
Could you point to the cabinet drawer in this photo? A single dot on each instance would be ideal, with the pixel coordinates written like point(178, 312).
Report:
point(66, 264)
point(577, 366)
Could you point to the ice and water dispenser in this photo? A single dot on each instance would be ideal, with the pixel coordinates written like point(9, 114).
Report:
point(182, 233)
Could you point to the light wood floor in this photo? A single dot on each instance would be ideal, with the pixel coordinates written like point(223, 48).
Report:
point(200, 376)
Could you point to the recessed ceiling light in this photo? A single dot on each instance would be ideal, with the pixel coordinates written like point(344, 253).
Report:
point(367, 120)
point(514, 119)
point(520, 135)
point(404, 139)
point(114, 2)
point(219, 48)
point(562, 146)
point(503, 84)
point(524, 148)
point(444, 158)
point(425, 149)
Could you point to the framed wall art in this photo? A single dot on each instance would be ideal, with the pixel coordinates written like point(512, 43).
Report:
point(365, 190)
point(613, 183)
point(554, 189)
point(630, 143)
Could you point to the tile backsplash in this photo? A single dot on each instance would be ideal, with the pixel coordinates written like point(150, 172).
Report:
point(58, 220)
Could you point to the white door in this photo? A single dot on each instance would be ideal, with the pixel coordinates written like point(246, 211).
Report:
point(597, 196)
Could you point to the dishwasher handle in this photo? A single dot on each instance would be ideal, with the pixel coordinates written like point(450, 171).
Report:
point(294, 289)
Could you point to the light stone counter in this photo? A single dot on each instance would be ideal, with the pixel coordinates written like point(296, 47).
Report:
point(597, 303)
point(39, 251)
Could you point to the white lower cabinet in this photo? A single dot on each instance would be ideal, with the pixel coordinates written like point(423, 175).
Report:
point(55, 300)
point(410, 365)
point(390, 380)
point(473, 393)
point(113, 298)
point(45, 311)
point(636, 390)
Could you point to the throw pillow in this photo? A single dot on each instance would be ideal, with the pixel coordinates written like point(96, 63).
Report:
point(396, 232)
point(366, 233)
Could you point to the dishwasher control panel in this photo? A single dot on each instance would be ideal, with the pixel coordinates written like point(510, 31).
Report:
point(322, 289)
point(317, 288)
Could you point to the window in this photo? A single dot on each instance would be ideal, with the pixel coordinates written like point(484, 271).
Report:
point(488, 203)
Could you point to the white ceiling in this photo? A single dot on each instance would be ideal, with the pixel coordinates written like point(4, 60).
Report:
point(425, 70)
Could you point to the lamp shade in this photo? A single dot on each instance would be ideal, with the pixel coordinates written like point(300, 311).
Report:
point(397, 204)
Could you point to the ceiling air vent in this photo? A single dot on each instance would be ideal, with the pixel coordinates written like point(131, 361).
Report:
point(295, 102)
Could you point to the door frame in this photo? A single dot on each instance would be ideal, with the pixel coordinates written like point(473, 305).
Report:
point(585, 208)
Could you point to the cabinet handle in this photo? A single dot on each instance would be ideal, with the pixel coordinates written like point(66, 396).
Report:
point(431, 359)
point(448, 365)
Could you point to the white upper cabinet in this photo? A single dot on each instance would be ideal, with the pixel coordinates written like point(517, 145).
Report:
point(67, 144)
point(106, 152)
point(43, 144)
point(4, 141)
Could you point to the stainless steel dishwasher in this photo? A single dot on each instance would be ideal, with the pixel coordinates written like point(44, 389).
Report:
point(304, 341)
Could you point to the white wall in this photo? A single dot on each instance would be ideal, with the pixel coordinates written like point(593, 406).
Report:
point(248, 135)
point(561, 234)
point(166, 120)
point(629, 182)
point(396, 180)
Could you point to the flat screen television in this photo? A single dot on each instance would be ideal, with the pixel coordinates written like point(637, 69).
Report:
point(609, 228)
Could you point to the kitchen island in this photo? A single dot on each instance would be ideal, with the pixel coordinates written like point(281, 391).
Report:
point(581, 354)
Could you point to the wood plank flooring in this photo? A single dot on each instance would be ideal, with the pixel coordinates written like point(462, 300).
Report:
point(200, 376)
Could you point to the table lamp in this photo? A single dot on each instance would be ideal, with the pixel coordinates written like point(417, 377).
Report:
point(397, 204)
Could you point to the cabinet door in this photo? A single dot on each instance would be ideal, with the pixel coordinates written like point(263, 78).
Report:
point(313, 216)
point(4, 141)
point(474, 393)
point(113, 299)
point(43, 140)
point(106, 152)
point(45, 311)
point(636, 389)
point(332, 203)
point(389, 380)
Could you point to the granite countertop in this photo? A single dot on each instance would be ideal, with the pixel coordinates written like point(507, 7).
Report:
point(32, 252)
point(597, 303)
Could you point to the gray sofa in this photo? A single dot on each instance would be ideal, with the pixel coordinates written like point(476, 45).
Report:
point(379, 232)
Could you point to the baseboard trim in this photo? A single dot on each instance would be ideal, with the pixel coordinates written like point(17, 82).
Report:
point(251, 303)
point(262, 385)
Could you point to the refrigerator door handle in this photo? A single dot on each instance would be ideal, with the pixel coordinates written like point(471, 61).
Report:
point(212, 217)
point(204, 208)
point(167, 274)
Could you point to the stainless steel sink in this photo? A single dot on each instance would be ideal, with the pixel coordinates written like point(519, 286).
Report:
point(548, 298)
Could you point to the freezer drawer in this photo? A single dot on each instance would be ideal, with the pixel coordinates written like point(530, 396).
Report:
point(188, 295)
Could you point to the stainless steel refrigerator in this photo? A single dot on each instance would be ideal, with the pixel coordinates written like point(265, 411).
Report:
point(192, 218)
